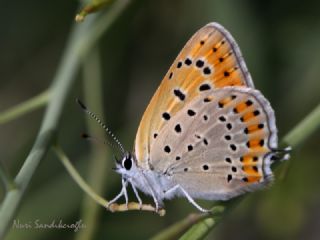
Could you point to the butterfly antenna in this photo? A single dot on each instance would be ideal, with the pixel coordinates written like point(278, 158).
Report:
point(91, 114)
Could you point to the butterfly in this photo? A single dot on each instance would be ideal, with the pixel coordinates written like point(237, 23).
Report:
point(207, 133)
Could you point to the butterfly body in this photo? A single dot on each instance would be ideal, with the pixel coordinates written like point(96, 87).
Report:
point(207, 133)
point(150, 182)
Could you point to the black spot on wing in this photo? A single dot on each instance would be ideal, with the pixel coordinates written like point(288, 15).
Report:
point(204, 87)
point(167, 149)
point(166, 116)
point(179, 94)
point(191, 112)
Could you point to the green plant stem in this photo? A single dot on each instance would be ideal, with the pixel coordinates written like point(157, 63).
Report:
point(60, 88)
point(202, 229)
point(177, 229)
point(83, 37)
point(199, 230)
point(25, 107)
point(77, 178)
point(98, 164)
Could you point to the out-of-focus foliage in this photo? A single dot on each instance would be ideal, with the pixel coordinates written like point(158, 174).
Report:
point(280, 43)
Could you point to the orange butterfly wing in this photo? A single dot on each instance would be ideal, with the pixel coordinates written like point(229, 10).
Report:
point(210, 59)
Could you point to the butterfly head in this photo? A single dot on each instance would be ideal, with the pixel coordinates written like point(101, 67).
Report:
point(126, 166)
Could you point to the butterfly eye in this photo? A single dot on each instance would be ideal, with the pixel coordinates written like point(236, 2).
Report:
point(127, 163)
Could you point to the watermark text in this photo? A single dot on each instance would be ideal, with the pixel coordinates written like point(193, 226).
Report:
point(54, 224)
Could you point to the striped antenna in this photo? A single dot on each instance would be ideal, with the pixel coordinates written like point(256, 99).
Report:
point(91, 114)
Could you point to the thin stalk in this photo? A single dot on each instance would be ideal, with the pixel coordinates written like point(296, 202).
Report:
point(25, 107)
point(96, 197)
point(82, 38)
point(294, 138)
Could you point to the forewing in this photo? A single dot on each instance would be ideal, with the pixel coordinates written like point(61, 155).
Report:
point(211, 59)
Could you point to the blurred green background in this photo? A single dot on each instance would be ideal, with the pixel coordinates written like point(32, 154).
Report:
point(280, 43)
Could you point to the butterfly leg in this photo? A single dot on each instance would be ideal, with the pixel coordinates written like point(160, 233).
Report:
point(151, 191)
point(186, 194)
point(154, 199)
point(124, 187)
point(123, 192)
point(137, 194)
point(115, 199)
